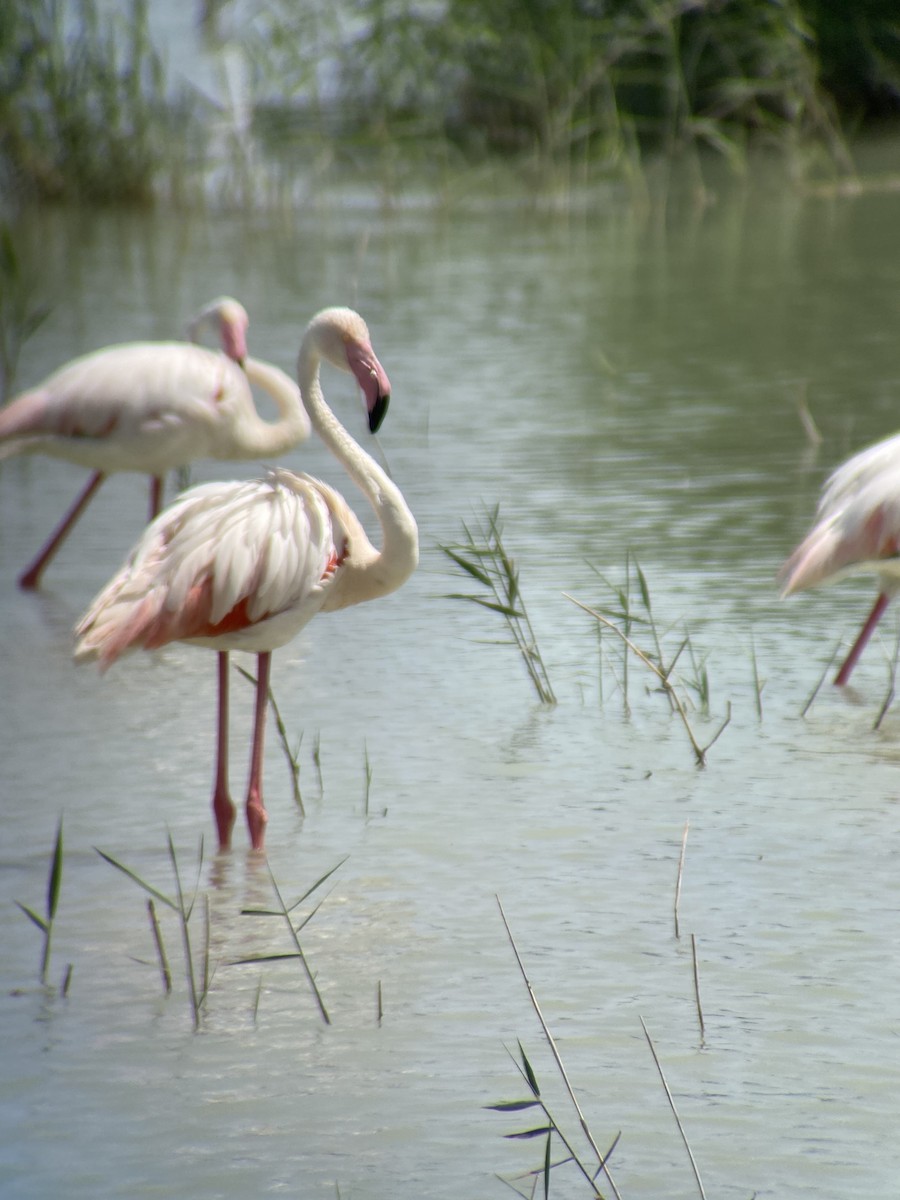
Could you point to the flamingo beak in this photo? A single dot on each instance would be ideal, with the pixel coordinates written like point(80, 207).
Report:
point(378, 411)
point(234, 343)
point(372, 378)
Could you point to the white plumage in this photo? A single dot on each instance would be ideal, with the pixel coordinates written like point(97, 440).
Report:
point(857, 530)
point(236, 566)
point(152, 407)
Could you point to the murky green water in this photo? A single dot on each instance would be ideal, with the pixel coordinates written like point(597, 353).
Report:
point(621, 385)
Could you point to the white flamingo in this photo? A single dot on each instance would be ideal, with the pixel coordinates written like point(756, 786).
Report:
point(152, 407)
point(857, 530)
point(245, 565)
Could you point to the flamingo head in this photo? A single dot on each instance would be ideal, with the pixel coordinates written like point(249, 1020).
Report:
point(342, 338)
point(229, 319)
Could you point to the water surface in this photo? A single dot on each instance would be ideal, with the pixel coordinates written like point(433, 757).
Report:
point(623, 384)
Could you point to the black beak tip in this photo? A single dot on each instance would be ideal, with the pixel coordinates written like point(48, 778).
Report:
point(378, 412)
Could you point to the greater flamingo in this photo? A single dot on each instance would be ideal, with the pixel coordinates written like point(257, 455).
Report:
point(152, 407)
point(857, 530)
point(245, 565)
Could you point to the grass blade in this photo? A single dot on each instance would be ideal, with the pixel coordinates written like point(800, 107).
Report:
point(55, 874)
point(135, 878)
point(33, 916)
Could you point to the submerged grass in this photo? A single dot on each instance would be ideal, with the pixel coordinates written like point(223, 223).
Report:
point(484, 559)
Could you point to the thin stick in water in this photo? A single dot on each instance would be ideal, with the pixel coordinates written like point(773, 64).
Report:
point(813, 436)
point(758, 685)
point(673, 1108)
point(697, 989)
point(892, 686)
point(368, 766)
point(680, 875)
point(811, 697)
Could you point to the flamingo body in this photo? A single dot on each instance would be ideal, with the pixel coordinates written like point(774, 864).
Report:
point(149, 407)
point(153, 407)
point(231, 566)
point(246, 565)
point(857, 531)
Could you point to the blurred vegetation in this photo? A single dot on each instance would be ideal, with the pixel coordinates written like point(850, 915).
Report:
point(20, 312)
point(84, 111)
point(858, 45)
point(590, 80)
point(545, 85)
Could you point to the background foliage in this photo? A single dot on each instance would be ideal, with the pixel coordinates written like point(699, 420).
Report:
point(86, 114)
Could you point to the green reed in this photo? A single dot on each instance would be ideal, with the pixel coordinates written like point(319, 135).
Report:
point(286, 913)
point(549, 1127)
point(631, 616)
point(484, 559)
point(182, 903)
point(45, 922)
point(317, 761)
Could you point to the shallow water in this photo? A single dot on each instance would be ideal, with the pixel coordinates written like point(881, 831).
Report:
point(621, 385)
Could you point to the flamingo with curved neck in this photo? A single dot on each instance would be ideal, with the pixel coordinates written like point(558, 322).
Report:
point(152, 407)
point(246, 565)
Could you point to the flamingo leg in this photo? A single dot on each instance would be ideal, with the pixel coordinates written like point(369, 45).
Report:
point(256, 809)
point(223, 807)
point(31, 578)
point(865, 633)
point(157, 484)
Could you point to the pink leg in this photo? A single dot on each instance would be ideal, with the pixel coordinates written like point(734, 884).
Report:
point(31, 578)
point(256, 809)
point(865, 633)
point(157, 484)
point(223, 808)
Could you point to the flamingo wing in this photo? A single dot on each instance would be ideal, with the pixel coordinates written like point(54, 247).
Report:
point(233, 565)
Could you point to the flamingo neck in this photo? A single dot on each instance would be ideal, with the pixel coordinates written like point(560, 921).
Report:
point(400, 543)
point(277, 437)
